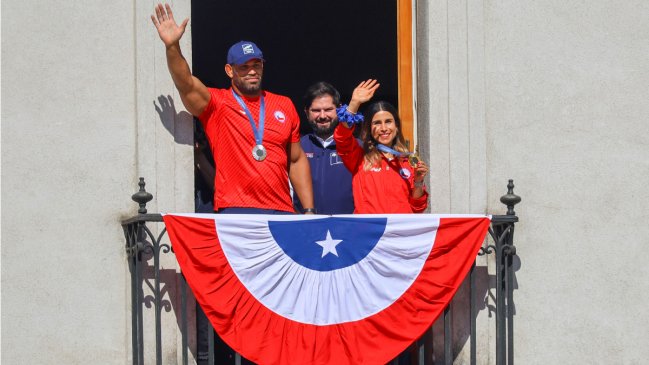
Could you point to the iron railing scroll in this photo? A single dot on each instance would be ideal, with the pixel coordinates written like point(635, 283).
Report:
point(142, 246)
point(501, 232)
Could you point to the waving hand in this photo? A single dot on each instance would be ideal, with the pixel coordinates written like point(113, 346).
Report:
point(362, 93)
point(193, 93)
point(169, 32)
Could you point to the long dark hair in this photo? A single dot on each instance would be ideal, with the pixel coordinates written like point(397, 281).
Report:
point(372, 154)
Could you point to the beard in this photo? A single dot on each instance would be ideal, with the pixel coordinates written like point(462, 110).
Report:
point(245, 87)
point(322, 131)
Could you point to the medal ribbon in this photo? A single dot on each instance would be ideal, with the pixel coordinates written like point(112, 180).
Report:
point(259, 133)
point(384, 148)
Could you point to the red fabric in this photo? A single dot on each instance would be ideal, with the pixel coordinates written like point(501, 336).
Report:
point(241, 181)
point(267, 338)
point(380, 190)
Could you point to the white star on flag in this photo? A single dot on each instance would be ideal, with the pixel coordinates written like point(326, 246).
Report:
point(329, 245)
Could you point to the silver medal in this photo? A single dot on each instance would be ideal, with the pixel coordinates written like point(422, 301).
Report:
point(259, 152)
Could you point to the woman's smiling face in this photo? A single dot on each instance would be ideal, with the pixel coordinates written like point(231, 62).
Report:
point(384, 128)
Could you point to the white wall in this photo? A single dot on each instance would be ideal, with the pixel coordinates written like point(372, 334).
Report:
point(554, 95)
point(551, 94)
point(79, 125)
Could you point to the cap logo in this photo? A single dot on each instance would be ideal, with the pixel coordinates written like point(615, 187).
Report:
point(247, 48)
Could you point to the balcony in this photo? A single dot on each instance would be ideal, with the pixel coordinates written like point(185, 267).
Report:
point(163, 309)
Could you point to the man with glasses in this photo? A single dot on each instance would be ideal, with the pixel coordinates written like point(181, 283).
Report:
point(253, 134)
point(332, 182)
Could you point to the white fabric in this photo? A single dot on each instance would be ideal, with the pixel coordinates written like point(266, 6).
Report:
point(326, 142)
point(329, 297)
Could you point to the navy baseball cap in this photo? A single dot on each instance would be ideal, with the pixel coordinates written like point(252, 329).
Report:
point(243, 52)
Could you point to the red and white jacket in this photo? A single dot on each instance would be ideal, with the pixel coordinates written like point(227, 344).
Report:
point(381, 189)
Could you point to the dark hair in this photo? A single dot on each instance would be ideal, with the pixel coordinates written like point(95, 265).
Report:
point(320, 89)
point(372, 154)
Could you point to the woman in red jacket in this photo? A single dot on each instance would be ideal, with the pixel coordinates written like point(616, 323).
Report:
point(383, 178)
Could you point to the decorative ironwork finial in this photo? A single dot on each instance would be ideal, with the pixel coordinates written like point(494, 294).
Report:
point(510, 199)
point(142, 197)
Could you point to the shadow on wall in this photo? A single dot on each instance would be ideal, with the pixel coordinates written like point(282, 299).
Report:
point(460, 314)
point(485, 295)
point(172, 121)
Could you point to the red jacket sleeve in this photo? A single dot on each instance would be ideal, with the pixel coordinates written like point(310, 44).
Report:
point(420, 204)
point(347, 147)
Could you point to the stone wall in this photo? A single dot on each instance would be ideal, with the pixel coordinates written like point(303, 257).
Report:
point(554, 95)
point(88, 107)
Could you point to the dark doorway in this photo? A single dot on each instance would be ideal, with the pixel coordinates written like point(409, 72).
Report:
point(341, 42)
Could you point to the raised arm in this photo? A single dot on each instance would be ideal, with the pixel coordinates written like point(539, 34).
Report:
point(347, 147)
point(362, 94)
point(193, 93)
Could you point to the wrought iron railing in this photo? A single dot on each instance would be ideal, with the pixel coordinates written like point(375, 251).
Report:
point(143, 246)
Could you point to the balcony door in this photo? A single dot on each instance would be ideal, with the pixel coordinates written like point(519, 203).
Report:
point(338, 41)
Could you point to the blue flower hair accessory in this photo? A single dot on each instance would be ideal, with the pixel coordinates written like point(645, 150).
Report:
point(348, 117)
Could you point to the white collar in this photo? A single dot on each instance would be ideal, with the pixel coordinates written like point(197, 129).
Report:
point(325, 142)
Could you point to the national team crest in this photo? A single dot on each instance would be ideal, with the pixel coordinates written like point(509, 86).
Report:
point(279, 115)
point(405, 173)
point(349, 289)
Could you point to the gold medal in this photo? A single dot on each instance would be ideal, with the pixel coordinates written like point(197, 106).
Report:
point(413, 159)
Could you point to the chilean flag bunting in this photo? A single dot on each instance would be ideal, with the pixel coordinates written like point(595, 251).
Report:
point(309, 289)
